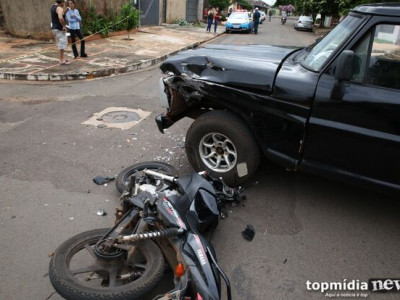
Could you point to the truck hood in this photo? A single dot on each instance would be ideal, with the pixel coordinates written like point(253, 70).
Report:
point(242, 66)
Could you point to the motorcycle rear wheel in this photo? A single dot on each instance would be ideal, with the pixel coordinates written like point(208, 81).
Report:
point(123, 177)
point(76, 272)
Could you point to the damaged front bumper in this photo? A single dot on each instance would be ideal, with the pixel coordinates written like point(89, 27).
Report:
point(179, 97)
point(164, 120)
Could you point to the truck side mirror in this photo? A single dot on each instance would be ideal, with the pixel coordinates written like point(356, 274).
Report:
point(344, 66)
point(343, 71)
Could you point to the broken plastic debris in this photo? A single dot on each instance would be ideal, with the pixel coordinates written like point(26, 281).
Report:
point(249, 233)
point(101, 212)
point(102, 180)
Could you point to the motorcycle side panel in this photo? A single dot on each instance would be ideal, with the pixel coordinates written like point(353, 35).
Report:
point(169, 214)
point(208, 287)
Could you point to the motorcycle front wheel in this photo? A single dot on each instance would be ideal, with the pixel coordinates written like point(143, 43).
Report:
point(77, 272)
point(135, 170)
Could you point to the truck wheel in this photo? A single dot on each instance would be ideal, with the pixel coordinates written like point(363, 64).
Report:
point(220, 143)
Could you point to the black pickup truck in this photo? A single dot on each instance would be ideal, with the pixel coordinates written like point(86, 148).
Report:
point(331, 109)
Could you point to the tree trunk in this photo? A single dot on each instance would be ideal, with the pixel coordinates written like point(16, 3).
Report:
point(322, 21)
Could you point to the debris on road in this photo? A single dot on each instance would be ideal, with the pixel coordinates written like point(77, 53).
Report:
point(101, 212)
point(249, 233)
point(99, 180)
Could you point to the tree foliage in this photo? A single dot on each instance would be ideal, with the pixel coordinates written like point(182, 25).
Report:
point(333, 8)
point(245, 4)
point(221, 4)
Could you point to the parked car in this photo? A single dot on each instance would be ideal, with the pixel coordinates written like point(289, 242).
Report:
point(304, 22)
point(262, 16)
point(239, 21)
point(332, 109)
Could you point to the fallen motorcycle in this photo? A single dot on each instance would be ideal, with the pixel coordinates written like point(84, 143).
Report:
point(162, 217)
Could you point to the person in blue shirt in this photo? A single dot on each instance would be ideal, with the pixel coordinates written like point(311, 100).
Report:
point(256, 20)
point(74, 21)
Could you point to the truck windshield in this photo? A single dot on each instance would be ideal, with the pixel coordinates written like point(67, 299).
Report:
point(322, 51)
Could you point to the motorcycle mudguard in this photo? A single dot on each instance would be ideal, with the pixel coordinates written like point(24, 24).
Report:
point(192, 183)
point(201, 195)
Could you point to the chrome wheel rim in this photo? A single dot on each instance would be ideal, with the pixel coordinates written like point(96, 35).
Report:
point(218, 152)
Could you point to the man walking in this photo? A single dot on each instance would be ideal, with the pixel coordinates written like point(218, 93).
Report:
point(256, 20)
point(59, 29)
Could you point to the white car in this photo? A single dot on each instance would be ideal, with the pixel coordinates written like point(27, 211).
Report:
point(304, 22)
point(262, 17)
point(239, 21)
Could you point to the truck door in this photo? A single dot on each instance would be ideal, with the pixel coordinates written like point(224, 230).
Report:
point(358, 135)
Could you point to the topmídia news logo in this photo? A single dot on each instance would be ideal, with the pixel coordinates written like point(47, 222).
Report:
point(355, 288)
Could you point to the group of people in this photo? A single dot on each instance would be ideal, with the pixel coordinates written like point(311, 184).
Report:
point(60, 15)
point(213, 17)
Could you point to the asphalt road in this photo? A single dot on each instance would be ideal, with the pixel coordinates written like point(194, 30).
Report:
point(307, 228)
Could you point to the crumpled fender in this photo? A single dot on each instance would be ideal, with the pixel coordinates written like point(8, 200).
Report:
point(250, 67)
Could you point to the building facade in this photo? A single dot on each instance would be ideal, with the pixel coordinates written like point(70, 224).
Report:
point(31, 18)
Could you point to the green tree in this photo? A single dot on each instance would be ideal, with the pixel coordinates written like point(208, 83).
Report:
point(129, 17)
point(284, 2)
point(245, 4)
point(221, 4)
point(346, 5)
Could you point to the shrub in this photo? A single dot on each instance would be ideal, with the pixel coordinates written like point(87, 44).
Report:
point(126, 18)
point(181, 22)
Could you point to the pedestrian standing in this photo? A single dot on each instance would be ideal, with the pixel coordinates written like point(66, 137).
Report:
point(256, 20)
point(74, 21)
point(216, 20)
point(270, 15)
point(210, 18)
point(59, 29)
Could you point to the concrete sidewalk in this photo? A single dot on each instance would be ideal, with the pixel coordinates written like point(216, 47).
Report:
point(27, 59)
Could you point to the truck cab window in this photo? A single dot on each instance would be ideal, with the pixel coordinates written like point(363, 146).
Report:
point(322, 51)
point(384, 62)
point(360, 59)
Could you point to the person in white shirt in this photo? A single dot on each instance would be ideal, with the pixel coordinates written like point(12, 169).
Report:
point(74, 21)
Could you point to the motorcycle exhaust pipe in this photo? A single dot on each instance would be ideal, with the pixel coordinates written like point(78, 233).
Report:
point(159, 175)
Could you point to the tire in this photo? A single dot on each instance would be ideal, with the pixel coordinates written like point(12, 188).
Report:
point(123, 177)
point(68, 285)
point(231, 141)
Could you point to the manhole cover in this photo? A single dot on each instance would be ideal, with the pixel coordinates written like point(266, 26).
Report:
point(117, 117)
point(120, 117)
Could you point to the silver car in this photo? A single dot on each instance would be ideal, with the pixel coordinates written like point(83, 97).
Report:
point(304, 22)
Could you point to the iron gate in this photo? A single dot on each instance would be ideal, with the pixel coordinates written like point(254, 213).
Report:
point(191, 10)
point(149, 12)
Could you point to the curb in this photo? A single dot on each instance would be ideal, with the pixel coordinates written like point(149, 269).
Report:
point(98, 73)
